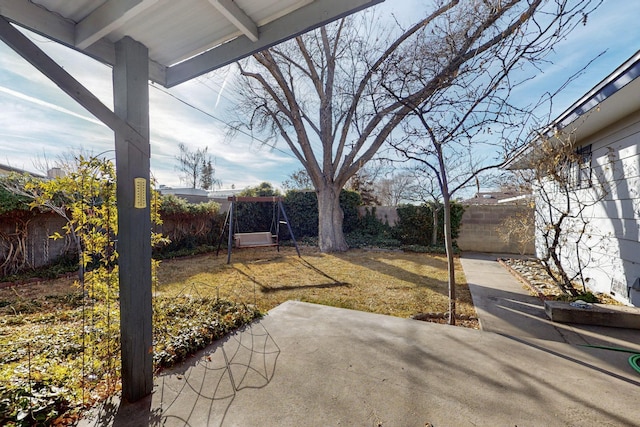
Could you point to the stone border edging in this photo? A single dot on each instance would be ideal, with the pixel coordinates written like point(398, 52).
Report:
point(523, 279)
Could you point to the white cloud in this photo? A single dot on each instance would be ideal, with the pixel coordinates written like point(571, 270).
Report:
point(38, 117)
point(239, 160)
point(47, 105)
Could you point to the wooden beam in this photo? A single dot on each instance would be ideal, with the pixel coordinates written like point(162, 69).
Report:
point(89, 35)
point(254, 199)
point(106, 18)
point(39, 20)
point(131, 100)
point(313, 15)
point(131, 103)
point(237, 17)
point(65, 81)
point(306, 18)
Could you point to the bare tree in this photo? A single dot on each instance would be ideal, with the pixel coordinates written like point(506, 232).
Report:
point(396, 188)
point(469, 61)
point(196, 167)
point(336, 94)
point(298, 180)
point(65, 162)
point(519, 229)
point(364, 183)
point(420, 184)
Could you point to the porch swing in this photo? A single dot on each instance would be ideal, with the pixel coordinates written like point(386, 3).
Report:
point(254, 239)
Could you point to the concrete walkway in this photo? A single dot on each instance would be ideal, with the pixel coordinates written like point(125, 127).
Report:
point(506, 307)
point(312, 365)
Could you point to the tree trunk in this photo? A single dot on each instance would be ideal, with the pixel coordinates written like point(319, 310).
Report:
point(552, 259)
point(450, 266)
point(448, 243)
point(434, 232)
point(330, 219)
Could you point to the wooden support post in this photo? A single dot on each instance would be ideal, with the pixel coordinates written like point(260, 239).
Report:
point(131, 103)
point(131, 126)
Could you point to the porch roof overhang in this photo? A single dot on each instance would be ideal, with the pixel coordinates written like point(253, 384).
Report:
point(185, 38)
point(614, 98)
point(168, 42)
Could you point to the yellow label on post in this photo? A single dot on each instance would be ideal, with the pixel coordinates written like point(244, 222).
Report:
point(140, 189)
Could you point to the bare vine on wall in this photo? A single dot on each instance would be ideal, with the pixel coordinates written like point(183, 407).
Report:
point(518, 229)
point(13, 247)
point(567, 186)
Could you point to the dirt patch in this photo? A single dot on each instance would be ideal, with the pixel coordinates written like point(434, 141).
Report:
point(465, 321)
point(40, 296)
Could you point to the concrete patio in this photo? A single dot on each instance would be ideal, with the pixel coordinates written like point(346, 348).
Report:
point(311, 365)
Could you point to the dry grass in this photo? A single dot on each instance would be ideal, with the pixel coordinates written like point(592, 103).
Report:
point(386, 282)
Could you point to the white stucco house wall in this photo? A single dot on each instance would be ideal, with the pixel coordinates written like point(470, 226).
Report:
point(604, 126)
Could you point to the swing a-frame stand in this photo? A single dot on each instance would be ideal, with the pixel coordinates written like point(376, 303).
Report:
point(255, 239)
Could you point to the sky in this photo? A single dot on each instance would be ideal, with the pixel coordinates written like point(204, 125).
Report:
point(39, 122)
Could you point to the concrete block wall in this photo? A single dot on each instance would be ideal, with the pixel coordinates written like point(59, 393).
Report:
point(480, 227)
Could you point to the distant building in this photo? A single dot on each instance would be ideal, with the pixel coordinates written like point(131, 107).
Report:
point(191, 195)
point(493, 198)
point(221, 197)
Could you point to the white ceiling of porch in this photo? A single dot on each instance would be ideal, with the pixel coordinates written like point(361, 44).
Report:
point(185, 38)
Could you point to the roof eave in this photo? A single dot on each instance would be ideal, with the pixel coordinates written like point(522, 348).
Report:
point(586, 117)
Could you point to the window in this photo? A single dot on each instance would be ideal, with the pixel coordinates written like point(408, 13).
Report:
point(582, 166)
point(575, 171)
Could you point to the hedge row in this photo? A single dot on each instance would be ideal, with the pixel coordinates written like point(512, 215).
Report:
point(190, 226)
point(198, 227)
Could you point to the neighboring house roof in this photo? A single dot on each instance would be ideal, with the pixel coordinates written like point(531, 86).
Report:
point(191, 195)
point(6, 170)
point(493, 198)
point(224, 193)
point(614, 98)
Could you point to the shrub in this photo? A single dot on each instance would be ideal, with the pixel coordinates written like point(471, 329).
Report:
point(188, 226)
point(371, 231)
point(428, 249)
point(302, 211)
point(47, 377)
point(184, 325)
point(350, 201)
point(173, 205)
point(9, 200)
point(415, 224)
